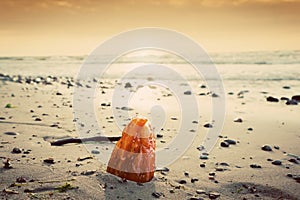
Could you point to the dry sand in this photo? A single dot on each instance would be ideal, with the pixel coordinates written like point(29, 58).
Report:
point(226, 174)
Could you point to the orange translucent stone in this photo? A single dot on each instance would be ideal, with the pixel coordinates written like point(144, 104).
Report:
point(133, 157)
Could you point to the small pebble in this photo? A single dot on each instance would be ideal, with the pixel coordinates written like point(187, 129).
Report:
point(49, 161)
point(95, 152)
point(208, 125)
point(255, 166)
point(230, 141)
point(276, 162)
point(202, 165)
point(224, 144)
point(238, 120)
point(11, 133)
point(200, 192)
point(157, 194)
point(266, 148)
point(193, 180)
point(214, 195)
point(187, 92)
point(182, 181)
point(16, 150)
point(203, 157)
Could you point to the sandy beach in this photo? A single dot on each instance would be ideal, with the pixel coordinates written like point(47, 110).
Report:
point(259, 160)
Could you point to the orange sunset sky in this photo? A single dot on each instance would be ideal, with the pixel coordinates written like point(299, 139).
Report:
point(76, 27)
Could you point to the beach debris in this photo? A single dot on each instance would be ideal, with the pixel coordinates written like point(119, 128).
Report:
point(16, 150)
point(239, 120)
point(133, 157)
point(82, 140)
point(272, 99)
point(266, 148)
point(255, 166)
point(84, 158)
point(276, 162)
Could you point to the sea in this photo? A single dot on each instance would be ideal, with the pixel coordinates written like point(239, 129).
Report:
point(253, 66)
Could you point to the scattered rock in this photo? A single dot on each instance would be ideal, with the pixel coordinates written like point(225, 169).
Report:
point(16, 150)
point(187, 92)
point(58, 93)
point(182, 181)
point(203, 157)
point(88, 172)
point(250, 129)
point(174, 118)
point(127, 85)
point(202, 86)
point(9, 191)
point(224, 144)
point(193, 180)
point(296, 98)
point(239, 120)
point(293, 160)
point(286, 87)
point(38, 119)
point(230, 141)
point(266, 148)
point(214, 195)
point(49, 161)
point(157, 194)
point(284, 99)
point(214, 95)
point(202, 165)
point(272, 99)
point(126, 108)
point(11, 133)
point(7, 164)
point(21, 180)
point(208, 125)
point(200, 192)
point(163, 169)
point(291, 102)
point(95, 151)
point(276, 147)
point(276, 162)
point(255, 166)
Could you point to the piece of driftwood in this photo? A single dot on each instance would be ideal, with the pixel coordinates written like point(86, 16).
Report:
point(82, 140)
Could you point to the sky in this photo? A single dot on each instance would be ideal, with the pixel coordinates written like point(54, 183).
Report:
point(76, 27)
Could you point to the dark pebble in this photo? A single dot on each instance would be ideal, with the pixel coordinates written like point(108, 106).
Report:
point(214, 195)
point(284, 99)
point(211, 173)
point(159, 135)
point(186, 174)
point(229, 141)
point(266, 148)
point(250, 129)
point(128, 85)
point(286, 87)
point(11, 133)
point(202, 165)
point(296, 98)
point(187, 92)
point(255, 166)
point(276, 162)
point(88, 173)
point(21, 180)
point(293, 160)
point(38, 119)
point(182, 181)
point(203, 86)
point(224, 144)
point(208, 125)
point(58, 93)
point(272, 99)
point(157, 194)
point(239, 120)
point(291, 102)
point(2, 118)
point(49, 161)
point(270, 159)
point(16, 150)
point(203, 157)
point(193, 180)
point(276, 147)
